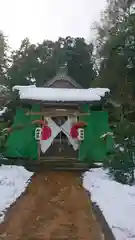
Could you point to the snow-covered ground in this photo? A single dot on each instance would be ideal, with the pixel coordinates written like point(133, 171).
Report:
point(13, 182)
point(116, 201)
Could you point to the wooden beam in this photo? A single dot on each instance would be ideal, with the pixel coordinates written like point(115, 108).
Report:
point(113, 103)
point(39, 150)
point(60, 110)
point(56, 114)
point(61, 103)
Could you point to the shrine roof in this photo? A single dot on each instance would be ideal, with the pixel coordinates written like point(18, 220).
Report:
point(60, 94)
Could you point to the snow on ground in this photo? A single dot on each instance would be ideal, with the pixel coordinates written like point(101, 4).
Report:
point(116, 201)
point(13, 182)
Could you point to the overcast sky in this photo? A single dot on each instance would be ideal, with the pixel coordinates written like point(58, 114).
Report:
point(40, 19)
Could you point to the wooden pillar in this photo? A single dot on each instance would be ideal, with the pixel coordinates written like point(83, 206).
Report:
point(39, 149)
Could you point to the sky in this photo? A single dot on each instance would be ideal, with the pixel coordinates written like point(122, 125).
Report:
point(48, 19)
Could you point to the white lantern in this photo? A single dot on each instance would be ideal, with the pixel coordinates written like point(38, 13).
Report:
point(38, 131)
point(80, 134)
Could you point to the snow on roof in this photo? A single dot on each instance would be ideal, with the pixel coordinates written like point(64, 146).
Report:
point(60, 94)
point(3, 111)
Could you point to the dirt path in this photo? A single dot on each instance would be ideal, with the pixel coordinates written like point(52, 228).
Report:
point(55, 207)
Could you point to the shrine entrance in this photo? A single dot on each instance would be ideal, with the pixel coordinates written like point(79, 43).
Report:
point(60, 144)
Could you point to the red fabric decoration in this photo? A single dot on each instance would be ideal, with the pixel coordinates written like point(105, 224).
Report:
point(80, 124)
point(74, 132)
point(10, 130)
point(46, 133)
point(41, 122)
point(74, 129)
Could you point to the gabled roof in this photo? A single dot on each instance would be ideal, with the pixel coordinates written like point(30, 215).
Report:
point(62, 75)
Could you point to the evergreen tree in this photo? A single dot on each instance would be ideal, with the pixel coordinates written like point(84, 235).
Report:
point(115, 50)
point(40, 62)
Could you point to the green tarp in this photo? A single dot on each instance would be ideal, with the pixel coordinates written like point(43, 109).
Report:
point(21, 143)
point(94, 148)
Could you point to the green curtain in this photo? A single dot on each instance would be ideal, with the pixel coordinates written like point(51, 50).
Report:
point(21, 143)
point(94, 148)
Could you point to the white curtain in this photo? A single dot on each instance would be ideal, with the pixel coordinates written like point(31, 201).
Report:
point(45, 144)
point(65, 128)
